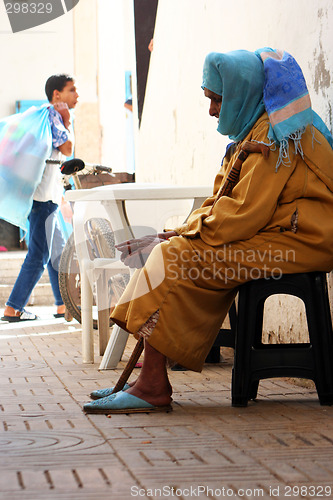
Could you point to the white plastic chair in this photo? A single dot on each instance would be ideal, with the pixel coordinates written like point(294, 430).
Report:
point(98, 271)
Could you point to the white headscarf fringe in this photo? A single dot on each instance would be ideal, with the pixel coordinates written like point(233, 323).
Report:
point(284, 154)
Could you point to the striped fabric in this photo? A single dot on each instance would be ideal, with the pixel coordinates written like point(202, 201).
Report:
point(286, 96)
point(286, 100)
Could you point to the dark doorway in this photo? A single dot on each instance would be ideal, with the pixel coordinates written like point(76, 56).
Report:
point(144, 19)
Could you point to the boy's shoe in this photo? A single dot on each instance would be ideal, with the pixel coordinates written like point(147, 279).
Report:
point(23, 316)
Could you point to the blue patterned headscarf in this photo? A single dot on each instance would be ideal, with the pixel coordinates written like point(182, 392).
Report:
point(252, 82)
point(287, 101)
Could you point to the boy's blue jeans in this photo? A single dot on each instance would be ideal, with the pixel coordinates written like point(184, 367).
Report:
point(45, 246)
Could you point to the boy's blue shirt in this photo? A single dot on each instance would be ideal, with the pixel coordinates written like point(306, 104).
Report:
point(59, 133)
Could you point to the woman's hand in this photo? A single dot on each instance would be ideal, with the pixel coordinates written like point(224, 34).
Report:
point(134, 253)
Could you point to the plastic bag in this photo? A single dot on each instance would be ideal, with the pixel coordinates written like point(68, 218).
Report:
point(25, 144)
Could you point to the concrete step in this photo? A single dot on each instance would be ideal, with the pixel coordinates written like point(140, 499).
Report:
point(10, 265)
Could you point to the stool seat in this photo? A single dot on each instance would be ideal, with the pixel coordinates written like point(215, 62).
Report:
point(254, 360)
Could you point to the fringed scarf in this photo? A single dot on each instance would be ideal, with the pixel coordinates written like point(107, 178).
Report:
point(276, 85)
point(287, 102)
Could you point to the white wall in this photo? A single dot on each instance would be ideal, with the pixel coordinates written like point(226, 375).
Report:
point(29, 57)
point(177, 141)
point(87, 117)
point(116, 55)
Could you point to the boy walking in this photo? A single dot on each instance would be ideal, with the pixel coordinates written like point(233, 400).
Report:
point(45, 237)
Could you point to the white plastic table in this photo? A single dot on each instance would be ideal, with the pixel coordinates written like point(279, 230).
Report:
point(114, 200)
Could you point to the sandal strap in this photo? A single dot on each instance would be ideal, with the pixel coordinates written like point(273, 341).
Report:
point(27, 315)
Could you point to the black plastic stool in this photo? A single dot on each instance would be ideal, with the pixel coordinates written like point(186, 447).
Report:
point(254, 360)
point(225, 338)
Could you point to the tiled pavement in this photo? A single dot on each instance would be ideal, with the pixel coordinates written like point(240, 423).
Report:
point(203, 449)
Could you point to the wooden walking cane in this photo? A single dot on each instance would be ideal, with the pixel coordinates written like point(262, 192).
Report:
point(233, 175)
point(129, 366)
point(231, 180)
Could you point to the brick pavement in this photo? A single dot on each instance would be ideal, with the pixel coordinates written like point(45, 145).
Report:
point(50, 449)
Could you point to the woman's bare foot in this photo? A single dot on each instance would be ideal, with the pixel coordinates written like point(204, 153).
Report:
point(131, 384)
point(150, 396)
point(153, 384)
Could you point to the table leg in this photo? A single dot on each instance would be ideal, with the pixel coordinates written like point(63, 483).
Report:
point(103, 329)
point(103, 309)
point(114, 349)
point(87, 317)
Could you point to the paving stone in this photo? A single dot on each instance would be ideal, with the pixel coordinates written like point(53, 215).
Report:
point(50, 449)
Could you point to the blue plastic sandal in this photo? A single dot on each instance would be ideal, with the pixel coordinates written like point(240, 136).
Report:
point(103, 393)
point(122, 402)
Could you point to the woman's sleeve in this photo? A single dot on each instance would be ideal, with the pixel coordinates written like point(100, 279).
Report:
point(251, 205)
